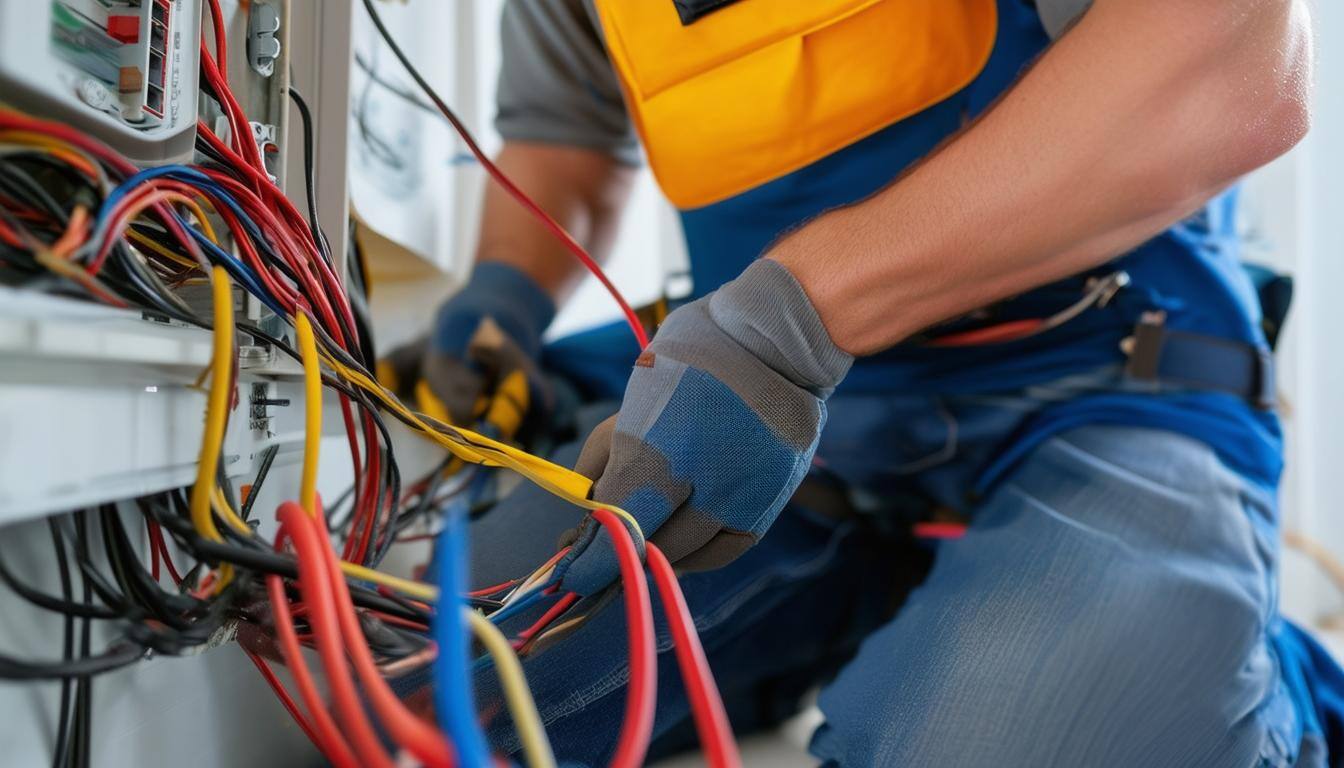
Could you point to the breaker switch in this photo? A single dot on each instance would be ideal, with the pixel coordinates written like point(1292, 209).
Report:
point(124, 29)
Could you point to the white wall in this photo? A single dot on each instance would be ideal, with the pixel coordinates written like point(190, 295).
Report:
point(435, 214)
point(1296, 208)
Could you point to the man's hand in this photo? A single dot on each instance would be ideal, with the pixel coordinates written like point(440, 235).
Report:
point(717, 429)
point(486, 339)
point(480, 359)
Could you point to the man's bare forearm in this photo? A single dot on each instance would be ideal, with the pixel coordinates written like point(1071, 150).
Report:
point(1129, 123)
point(584, 190)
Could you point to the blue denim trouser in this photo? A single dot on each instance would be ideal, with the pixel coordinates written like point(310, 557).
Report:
point(1111, 605)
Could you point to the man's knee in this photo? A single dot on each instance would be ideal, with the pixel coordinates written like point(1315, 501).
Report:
point(1083, 621)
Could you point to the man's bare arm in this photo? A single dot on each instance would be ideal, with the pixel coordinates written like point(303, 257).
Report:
point(1134, 119)
point(582, 189)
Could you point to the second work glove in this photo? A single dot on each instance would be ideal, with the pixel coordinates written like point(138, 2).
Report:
point(479, 361)
point(717, 429)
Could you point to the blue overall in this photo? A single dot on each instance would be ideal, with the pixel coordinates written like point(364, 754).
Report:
point(1114, 601)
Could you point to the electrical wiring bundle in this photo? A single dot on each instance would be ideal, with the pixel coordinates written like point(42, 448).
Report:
point(80, 220)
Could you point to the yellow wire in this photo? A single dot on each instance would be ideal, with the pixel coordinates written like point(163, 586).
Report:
point(479, 449)
point(206, 494)
point(416, 589)
point(312, 433)
point(144, 242)
point(216, 409)
point(222, 508)
point(202, 220)
point(312, 414)
point(536, 746)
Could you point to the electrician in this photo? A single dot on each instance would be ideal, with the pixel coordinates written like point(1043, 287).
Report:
point(942, 261)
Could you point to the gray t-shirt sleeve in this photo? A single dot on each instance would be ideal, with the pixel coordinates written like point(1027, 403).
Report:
point(556, 85)
point(1057, 15)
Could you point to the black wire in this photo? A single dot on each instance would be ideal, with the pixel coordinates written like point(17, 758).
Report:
point(121, 654)
point(419, 79)
point(175, 610)
point(43, 600)
point(359, 303)
point(262, 560)
point(84, 689)
point(393, 88)
point(93, 579)
point(309, 168)
point(422, 505)
point(333, 510)
point(61, 754)
point(19, 184)
point(375, 144)
point(266, 460)
point(359, 271)
point(357, 336)
point(116, 657)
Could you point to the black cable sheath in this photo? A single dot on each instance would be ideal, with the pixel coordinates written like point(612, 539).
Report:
point(50, 603)
point(266, 460)
point(118, 656)
point(61, 753)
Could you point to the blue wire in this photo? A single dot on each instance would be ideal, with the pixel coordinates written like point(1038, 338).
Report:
point(453, 700)
point(240, 271)
point(517, 607)
point(182, 172)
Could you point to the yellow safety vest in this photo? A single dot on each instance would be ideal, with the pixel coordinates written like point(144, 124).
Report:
point(760, 88)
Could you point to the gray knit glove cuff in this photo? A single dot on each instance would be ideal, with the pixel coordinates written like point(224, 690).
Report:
point(766, 311)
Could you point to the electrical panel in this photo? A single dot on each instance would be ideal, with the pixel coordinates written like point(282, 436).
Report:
point(125, 71)
point(101, 404)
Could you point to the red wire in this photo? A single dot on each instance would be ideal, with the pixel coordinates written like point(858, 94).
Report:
point(285, 699)
point(164, 211)
point(153, 549)
point(293, 220)
point(939, 530)
point(70, 136)
point(9, 235)
point(157, 534)
point(317, 595)
point(220, 86)
point(994, 334)
point(522, 198)
point(486, 592)
point(550, 615)
point(352, 439)
point(289, 249)
point(330, 740)
point(711, 721)
point(637, 728)
point(398, 621)
point(558, 231)
point(221, 38)
point(373, 491)
point(420, 738)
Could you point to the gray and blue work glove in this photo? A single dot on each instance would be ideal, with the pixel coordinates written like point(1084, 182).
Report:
point(479, 362)
point(717, 429)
